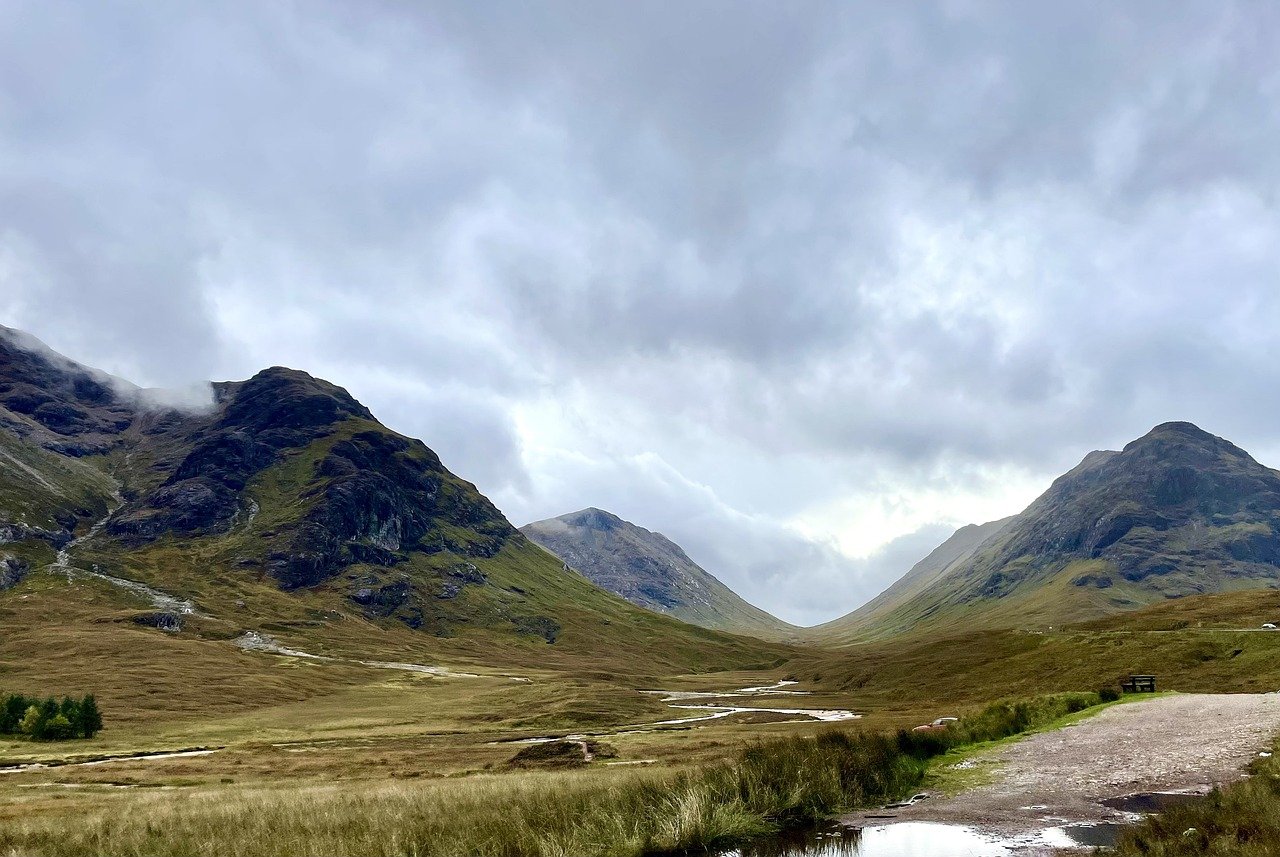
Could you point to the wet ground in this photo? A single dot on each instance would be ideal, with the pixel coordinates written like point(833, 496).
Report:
point(1085, 780)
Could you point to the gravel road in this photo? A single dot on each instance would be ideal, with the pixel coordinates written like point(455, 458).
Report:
point(1187, 742)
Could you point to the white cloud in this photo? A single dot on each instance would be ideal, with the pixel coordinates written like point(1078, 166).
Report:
point(799, 286)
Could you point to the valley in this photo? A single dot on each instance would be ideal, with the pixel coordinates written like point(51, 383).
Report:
point(277, 601)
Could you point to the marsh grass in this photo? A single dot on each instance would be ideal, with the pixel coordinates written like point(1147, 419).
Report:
point(1242, 820)
point(618, 813)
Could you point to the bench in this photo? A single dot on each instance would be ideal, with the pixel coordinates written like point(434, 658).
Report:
point(1139, 684)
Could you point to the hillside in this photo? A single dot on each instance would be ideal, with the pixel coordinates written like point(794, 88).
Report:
point(1177, 512)
point(155, 537)
point(961, 545)
point(651, 571)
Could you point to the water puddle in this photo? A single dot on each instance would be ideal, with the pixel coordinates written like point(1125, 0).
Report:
point(933, 839)
point(922, 839)
point(908, 839)
point(1146, 803)
point(1102, 835)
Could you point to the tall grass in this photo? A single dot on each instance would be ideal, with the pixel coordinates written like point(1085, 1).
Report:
point(615, 813)
point(1242, 820)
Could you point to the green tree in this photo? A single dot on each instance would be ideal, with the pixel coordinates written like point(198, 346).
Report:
point(90, 719)
point(56, 728)
point(69, 708)
point(15, 705)
point(31, 720)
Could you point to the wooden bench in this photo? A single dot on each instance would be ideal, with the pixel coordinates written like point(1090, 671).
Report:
point(1139, 684)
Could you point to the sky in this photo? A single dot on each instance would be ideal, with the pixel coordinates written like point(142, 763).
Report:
point(803, 286)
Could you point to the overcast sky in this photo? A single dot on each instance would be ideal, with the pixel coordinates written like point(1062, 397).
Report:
point(803, 286)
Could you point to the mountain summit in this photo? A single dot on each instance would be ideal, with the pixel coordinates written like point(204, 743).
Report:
point(1177, 512)
point(649, 570)
point(281, 505)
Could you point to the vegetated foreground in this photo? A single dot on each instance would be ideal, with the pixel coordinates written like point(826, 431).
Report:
point(1182, 743)
point(765, 786)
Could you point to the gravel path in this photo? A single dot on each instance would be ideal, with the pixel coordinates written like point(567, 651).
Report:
point(1187, 742)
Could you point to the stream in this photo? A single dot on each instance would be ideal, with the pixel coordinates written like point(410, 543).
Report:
point(680, 699)
point(159, 600)
point(125, 757)
point(253, 641)
point(250, 640)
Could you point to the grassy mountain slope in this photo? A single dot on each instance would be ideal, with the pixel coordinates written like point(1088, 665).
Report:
point(650, 570)
point(961, 545)
point(1209, 643)
point(285, 509)
point(1177, 512)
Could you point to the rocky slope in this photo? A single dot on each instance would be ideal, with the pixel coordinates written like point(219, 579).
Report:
point(283, 497)
point(649, 570)
point(1176, 512)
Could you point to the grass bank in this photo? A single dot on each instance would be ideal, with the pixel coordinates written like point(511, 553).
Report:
point(601, 811)
point(1241, 820)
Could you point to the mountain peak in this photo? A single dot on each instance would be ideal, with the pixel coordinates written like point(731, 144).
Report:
point(1183, 436)
point(280, 397)
point(649, 570)
point(1179, 511)
point(593, 519)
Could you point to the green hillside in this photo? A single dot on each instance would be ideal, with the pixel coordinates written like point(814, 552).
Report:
point(142, 543)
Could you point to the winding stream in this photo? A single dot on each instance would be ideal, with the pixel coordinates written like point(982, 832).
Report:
point(253, 641)
point(159, 600)
point(124, 757)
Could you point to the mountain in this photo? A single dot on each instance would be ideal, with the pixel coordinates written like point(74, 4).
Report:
point(1177, 512)
point(650, 570)
point(280, 505)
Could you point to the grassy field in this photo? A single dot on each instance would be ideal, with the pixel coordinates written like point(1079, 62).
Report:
point(621, 812)
point(388, 750)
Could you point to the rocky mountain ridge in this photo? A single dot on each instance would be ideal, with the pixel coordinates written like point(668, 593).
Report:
point(1177, 512)
point(282, 483)
point(649, 570)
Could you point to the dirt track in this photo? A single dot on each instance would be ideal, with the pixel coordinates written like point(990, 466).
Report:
point(1173, 743)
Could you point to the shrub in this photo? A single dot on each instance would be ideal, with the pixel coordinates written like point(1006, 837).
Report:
point(50, 720)
point(1108, 694)
point(55, 728)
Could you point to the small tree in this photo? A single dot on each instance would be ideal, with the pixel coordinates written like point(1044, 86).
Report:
point(15, 705)
point(90, 719)
point(56, 728)
point(31, 721)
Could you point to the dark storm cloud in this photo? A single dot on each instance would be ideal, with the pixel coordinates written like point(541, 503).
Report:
point(763, 264)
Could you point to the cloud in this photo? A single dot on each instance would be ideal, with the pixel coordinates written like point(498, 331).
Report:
point(792, 284)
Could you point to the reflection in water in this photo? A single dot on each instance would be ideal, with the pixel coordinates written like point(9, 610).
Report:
point(923, 839)
point(1149, 802)
point(908, 839)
